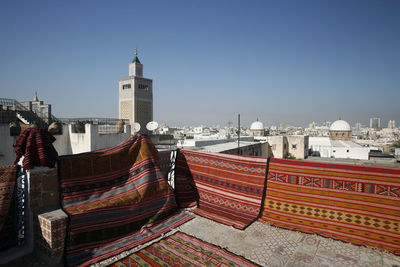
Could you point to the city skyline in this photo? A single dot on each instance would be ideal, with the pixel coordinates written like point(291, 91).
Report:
point(293, 62)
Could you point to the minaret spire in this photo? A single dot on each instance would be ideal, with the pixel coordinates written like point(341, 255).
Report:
point(136, 59)
point(36, 97)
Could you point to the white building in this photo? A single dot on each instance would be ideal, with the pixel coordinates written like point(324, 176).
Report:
point(136, 95)
point(392, 124)
point(338, 145)
point(375, 123)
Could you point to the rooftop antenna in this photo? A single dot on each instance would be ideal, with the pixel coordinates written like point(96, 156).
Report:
point(136, 52)
point(238, 132)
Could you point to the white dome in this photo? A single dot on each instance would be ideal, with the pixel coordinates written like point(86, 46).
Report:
point(257, 125)
point(340, 125)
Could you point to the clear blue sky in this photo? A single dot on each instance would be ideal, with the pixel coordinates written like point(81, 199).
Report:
point(292, 61)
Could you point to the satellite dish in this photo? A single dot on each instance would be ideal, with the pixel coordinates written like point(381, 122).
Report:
point(151, 126)
point(136, 127)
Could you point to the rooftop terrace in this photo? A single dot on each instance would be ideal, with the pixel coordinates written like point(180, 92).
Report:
point(262, 224)
point(265, 245)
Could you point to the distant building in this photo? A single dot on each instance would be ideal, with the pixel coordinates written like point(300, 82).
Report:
point(375, 123)
point(246, 147)
point(136, 95)
point(39, 108)
point(283, 146)
point(339, 144)
point(257, 128)
point(340, 130)
point(298, 146)
point(391, 124)
point(278, 146)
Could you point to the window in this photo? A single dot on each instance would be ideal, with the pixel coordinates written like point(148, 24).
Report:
point(347, 151)
point(143, 86)
point(334, 151)
point(126, 86)
point(294, 146)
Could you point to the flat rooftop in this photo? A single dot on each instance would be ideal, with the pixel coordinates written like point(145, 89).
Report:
point(225, 146)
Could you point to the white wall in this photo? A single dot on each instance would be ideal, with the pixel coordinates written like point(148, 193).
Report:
point(73, 143)
point(350, 152)
point(279, 146)
point(66, 143)
point(300, 151)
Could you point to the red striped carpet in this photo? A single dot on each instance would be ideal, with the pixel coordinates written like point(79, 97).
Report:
point(227, 188)
point(356, 204)
point(183, 250)
point(116, 199)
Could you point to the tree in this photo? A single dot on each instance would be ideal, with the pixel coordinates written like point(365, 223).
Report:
point(289, 156)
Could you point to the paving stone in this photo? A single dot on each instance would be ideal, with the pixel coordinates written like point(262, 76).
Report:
point(272, 246)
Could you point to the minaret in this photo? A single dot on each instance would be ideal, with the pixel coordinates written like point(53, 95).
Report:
point(135, 67)
point(136, 95)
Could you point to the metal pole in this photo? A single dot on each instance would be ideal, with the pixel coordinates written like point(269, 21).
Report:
point(238, 133)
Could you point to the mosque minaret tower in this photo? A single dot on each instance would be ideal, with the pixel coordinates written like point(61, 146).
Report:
point(136, 95)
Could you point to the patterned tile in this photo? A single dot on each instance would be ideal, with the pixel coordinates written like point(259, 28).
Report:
point(272, 246)
point(371, 257)
point(389, 260)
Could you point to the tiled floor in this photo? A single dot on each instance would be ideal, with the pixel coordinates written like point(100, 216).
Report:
point(271, 246)
point(268, 246)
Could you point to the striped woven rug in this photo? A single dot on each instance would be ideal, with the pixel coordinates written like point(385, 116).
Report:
point(356, 204)
point(183, 250)
point(227, 188)
point(116, 199)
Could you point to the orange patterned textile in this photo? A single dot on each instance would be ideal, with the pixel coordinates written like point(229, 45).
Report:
point(356, 204)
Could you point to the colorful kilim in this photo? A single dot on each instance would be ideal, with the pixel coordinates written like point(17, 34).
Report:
point(183, 250)
point(228, 188)
point(357, 204)
point(36, 145)
point(8, 176)
point(116, 199)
